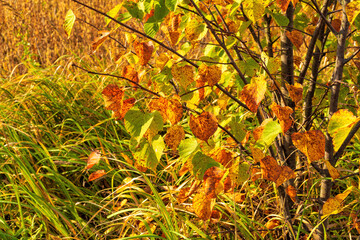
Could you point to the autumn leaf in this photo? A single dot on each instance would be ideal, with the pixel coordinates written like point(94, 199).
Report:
point(284, 116)
point(195, 30)
point(200, 163)
point(291, 191)
point(239, 173)
point(96, 175)
point(203, 206)
point(170, 109)
point(99, 40)
point(113, 96)
point(130, 73)
point(283, 4)
point(212, 184)
point(69, 22)
point(352, 10)
point(296, 38)
point(254, 9)
point(184, 75)
point(203, 126)
point(174, 136)
point(93, 159)
point(252, 94)
point(340, 126)
point(144, 51)
point(333, 204)
point(272, 223)
point(311, 143)
point(266, 133)
point(210, 74)
point(273, 172)
point(256, 153)
point(223, 156)
point(332, 170)
point(336, 24)
point(295, 92)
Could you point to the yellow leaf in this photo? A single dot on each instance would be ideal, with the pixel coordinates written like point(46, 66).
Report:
point(352, 10)
point(174, 136)
point(273, 172)
point(253, 93)
point(284, 116)
point(332, 170)
point(311, 143)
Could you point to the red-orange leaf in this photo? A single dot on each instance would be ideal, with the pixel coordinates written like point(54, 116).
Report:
point(284, 116)
point(169, 109)
point(273, 172)
point(113, 96)
point(311, 143)
point(252, 94)
point(283, 4)
point(291, 191)
point(184, 75)
point(210, 74)
point(99, 40)
point(144, 51)
point(130, 73)
point(93, 159)
point(96, 175)
point(203, 126)
point(295, 92)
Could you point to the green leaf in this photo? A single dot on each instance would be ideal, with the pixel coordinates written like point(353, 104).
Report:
point(149, 154)
point(239, 173)
point(237, 129)
point(280, 19)
point(160, 10)
point(137, 123)
point(271, 130)
point(188, 147)
point(340, 125)
point(171, 4)
point(157, 122)
point(112, 13)
point(151, 28)
point(201, 163)
point(69, 22)
point(134, 9)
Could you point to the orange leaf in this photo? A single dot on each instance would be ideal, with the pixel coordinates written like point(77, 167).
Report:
point(210, 74)
point(99, 40)
point(174, 136)
point(283, 4)
point(336, 23)
point(332, 170)
point(113, 96)
point(174, 37)
point(272, 223)
point(296, 38)
point(148, 15)
point(203, 126)
point(283, 114)
point(183, 195)
point(311, 143)
point(257, 154)
point(252, 94)
point(169, 109)
point(295, 92)
point(257, 132)
point(255, 173)
point(93, 159)
point(224, 157)
point(202, 206)
point(273, 172)
point(130, 73)
point(291, 191)
point(144, 51)
point(184, 75)
point(96, 175)
point(200, 83)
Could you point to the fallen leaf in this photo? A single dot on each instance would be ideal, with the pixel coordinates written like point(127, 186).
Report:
point(255, 173)
point(183, 195)
point(144, 51)
point(295, 92)
point(203, 126)
point(311, 143)
point(93, 159)
point(284, 116)
point(296, 38)
point(273, 172)
point(96, 175)
point(174, 136)
point(253, 93)
point(210, 74)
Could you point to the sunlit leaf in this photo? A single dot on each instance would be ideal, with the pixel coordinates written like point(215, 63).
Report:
point(340, 125)
point(195, 30)
point(187, 147)
point(99, 40)
point(295, 92)
point(170, 109)
point(184, 75)
point(273, 172)
point(223, 156)
point(112, 13)
point(149, 153)
point(332, 170)
point(210, 74)
point(203, 126)
point(239, 173)
point(137, 123)
point(266, 133)
point(296, 38)
point(129, 72)
point(254, 9)
point(201, 163)
point(93, 159)
point(352, 10)
point(174, 136)
point(212, 184)
point(253, 93)
point(144, 51)
point(202, 206)
point(311, 143)
point(272, 223)
point(113, 96)
point(284, 116)
point(69, 22)
point(334, 204)
point(96, 175)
